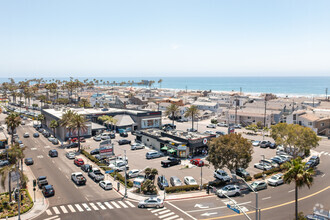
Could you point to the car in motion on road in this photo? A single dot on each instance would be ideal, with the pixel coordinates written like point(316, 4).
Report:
point(53, 153)
point(275, 180)
point(42, 181)
point(106, 185)
point(86, 167)
point(258, 185)
point(78, 178)
point(26, 135)
point(28, 161)
point(70, 155)
point(189, 180)
point(229, 190)
point(36, 135)
point(48, 190)
point(151, 203)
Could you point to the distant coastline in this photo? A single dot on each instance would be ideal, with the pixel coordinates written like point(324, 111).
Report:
point(281, 86)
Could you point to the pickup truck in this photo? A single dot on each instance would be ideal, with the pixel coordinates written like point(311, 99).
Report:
point(170, 162)
point(96, 175)
point(78, 178)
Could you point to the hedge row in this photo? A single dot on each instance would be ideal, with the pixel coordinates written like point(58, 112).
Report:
point(175, 189)
point(104, 167)
point(267, 172)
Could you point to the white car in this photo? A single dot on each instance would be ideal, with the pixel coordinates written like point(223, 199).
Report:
point(106, 185)
point(229, 190)
point(119, 166)
point(262, 166)
point(70, 155)
point(255, 143)
point(151, 203)
point(105, 136)
point(26, 135)
point(222, 175)
point(258, 185)
point(136, 146)
point(222, 124)
point(211, 126)
point(133, 173)
point(97, 138)
point(189, 180)
point(209, 132)
point(275, 180)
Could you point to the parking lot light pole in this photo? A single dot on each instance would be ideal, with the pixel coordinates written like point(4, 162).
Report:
point(125, 175)
point(201, 177)
point(237, 206)
point(257, 209)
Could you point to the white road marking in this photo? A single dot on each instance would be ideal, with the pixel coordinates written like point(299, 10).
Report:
point(166, 215)
point(79, 208)
point(266, 198)
point(321, 153)
point(162, 212)
point(115, 205)
point(50, 218)
point(34, 148)
point(130, 204)
point(323, 175)
point(108, 205)
point(71, 208)
point(64, 209)
point(172, 217)
point(123, 204)
point(291, 191)
point(182, 210)
point(40, 156)
point(244, 209)
point(53, 161)
point(56, 210)
point(157, 210)
point(326, 153)
point(47, 146)
point(48, 212)
point(101, 206)
point(220, 207)
point(86, 207)
point(60, 168)
point(94, 206)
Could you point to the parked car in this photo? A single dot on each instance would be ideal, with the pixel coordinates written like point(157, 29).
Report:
point(171, 161)
point(55, 141)
point(124, 141)
point(151, 203)
point(28, 161)
point(256, 143)
point(277, 159)
point(162, 182)
point(136, 146)
point(42, 181)
point(229, 190)
point(272, 145)
point(222, 124)
point(153, 154)
point(269, 162)
point(70, 155)
point(123, 134)
point(315, 160)
point(238, 126)
point(175, 181)
point(4, 163)
point(265, 144)
point(112, 135)
point(72, 145)
point(78, 162)
point(26, 135)
point(105, 184)
point(285, 157)
point(119, 166)
point(198, 162)
point(95, 151)
point(189, 180)
point(133, 173)
point(105, 136)
point(97, 138)
point(222, 175)
point(262, 166)
point(48, 190)
point(211, 126)
point(53, 153)
point(78, 178)
point(220, 133)
point(258, 185)
point(36, 135)
point(183, 120)
point(242, 172)
point(275, 180)
point(192, 130)
point(86, 167)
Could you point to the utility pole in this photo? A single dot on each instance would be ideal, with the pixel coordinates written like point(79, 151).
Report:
point(18, 202)
point(201, 177)
point(326, 94)
point(265, 112)
point(125, 175)
point(236, 110)
point(240, 90)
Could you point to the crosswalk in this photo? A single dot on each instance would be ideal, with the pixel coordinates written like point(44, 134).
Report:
point(324, 153)
point(165, 214)
point(88, 207)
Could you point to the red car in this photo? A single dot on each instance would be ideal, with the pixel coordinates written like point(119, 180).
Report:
point(82, 139)
point(74, 140)
point(198, 162)
point(79, 162)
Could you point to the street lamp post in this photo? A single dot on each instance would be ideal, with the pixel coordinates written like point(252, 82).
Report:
point(125, 175)
point(201, 178)
point(257, 209)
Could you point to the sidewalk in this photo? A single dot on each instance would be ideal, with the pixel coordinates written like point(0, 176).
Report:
point(40, 203)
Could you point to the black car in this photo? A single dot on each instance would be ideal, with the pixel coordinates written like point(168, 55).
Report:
point(272, 145)
point(112, 135)
point(4, 163)
point(48, 190)
point(162, 182)
point(86, 167)
point(28, 161)
point(46, 134)
point(95, 151)
point(53, 153)
point(124, 141)
point(123, 134)
point(36, 135)
point(315, 160)
point(242, 172)
point(72, 145)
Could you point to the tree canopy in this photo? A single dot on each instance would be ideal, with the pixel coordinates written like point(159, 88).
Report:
point(231, 151)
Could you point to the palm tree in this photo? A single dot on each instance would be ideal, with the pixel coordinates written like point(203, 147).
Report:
point(192, 112)
point(84, 103)
point(41, 118)
point(147, 171)
point(160, 83)
point(106, 119)
point(172, 110)
point(296, 172)
point(54, 124)
point(78, 123)
point(13, 121)
point(66, 120)
point(153, 173)
point(5, 173)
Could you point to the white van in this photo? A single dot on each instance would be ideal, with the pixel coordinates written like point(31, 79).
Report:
point(138, 181)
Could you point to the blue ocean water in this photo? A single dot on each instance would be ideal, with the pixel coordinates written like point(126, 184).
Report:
point(293, 86)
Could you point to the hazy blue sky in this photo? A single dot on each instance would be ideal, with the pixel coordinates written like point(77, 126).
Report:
point(165, 38)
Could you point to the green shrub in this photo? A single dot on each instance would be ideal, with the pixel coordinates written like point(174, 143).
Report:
point(257, 175)
point(248, 178)
point(122, 179)
point(175, 189)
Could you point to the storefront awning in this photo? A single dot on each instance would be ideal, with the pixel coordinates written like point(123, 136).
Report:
point(171, 151)
point(164, 148)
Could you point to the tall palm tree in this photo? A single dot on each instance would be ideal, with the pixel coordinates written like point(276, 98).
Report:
point(78, 123)
point(153, 173)
point(5, 172)
point(172, 110)
point(84, 102)
point(41, 118)
point(66, 120)
point(192, 112)
point(53, 125)
point(160, 83)
point(13, 121)
point(296, 172)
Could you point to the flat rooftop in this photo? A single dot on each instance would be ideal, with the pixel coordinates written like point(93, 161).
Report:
point(178, 133)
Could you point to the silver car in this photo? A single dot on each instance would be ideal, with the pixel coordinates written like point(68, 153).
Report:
point(259, 185)
point(151, 203)
point(189, 180)
point(70, 155)
point(262, 166)
point(106, 185)
point(275, 180)
point(133, 173)
point(136, 146)
point(229, 190)
point(175, 181)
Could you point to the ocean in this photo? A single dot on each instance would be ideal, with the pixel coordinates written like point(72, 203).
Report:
point(282, 86)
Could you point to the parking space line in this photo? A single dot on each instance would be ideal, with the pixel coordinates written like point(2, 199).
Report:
point(291, 191)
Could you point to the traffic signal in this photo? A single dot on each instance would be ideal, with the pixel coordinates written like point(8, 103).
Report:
point(208, 189)
point(16, 195)
point(34, 183)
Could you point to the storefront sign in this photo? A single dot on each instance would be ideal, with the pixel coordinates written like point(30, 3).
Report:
point(182, 147)
point(204, 141)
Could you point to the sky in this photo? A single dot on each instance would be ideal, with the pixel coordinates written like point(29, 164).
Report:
point(44, 38)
